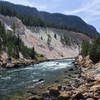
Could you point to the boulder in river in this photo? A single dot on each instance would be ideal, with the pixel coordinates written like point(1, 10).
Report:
point(41, 80)
point(71, 69)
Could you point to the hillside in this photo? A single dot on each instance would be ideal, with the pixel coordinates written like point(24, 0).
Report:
point(32, 35)
point(51, 42)
point(71, 22)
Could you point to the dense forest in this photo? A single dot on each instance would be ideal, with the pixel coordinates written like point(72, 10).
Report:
point(29, 20)
point(93, 50)
point(13, 45)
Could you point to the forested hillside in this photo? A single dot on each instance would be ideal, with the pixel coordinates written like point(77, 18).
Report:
point(33, 17)
point(30, 20)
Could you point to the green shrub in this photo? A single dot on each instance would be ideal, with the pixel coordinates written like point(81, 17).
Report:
point(93, 50)
point(55, 36)
point(65, 40)
point(49, 39)
point(41, 55)
point(85, 48)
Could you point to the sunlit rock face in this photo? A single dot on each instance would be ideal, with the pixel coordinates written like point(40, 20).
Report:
point(50, 42)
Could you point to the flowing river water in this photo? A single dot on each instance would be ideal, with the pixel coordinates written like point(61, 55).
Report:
point(24, 78)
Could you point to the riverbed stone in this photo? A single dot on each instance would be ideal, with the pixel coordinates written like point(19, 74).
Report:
point(60, 88)
point(45, 95)
point(89, 80)
point(76, 83)
point(63, 98)
point(35, 98)
point(71, 69)
point(57, 81)
point(89, 99)
point(31, 92)
point(78, 96)
point(68, 88)
point(54, 92)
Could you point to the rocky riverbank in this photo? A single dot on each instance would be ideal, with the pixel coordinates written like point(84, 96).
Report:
point(37, 80)
point(16, 63)
point(85, 86)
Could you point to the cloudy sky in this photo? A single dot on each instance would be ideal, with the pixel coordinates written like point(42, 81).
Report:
point(88, 10)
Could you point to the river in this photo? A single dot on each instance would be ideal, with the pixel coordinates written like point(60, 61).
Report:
point(24, 78)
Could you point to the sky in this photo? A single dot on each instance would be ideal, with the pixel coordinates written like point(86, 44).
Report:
point(88, 10)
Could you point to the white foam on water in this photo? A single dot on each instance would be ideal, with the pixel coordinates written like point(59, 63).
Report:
point(35, 80)
point(28, 77)
point(47, 66)
point(6, 78)
point(20, 69)
point(28, 68)
point(50, 66)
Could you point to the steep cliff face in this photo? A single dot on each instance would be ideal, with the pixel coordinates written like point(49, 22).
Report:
point(50, 42)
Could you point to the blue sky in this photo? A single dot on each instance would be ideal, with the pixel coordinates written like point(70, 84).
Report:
point(88, 10)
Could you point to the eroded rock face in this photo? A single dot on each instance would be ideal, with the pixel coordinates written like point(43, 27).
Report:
point(85, 62)
point(46, 41)
point(39, 38)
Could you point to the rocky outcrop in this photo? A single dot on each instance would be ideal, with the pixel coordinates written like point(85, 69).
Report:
point(85, 62)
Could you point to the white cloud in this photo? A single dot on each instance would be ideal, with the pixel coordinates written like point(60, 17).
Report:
point(25, 2)
point(28, 3)
point(89, 9)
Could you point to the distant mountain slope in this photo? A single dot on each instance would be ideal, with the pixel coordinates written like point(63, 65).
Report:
point(56, 18)
point(68, 20)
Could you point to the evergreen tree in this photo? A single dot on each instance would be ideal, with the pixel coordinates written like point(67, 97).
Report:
point(85, 48)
